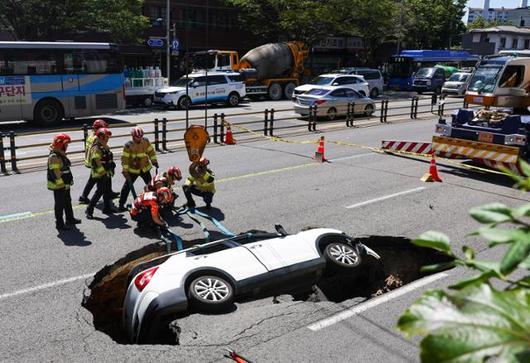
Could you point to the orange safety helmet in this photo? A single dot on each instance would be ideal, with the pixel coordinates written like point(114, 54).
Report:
point(61, 140)
point(174, 172)
point(164, 195)
point(102, 132)
point(99, 123)
point(137, 132)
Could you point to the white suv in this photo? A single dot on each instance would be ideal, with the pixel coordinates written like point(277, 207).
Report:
point(222, 87)
point(354, 82)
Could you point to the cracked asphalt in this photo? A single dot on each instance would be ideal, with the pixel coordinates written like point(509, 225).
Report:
point(259, 184)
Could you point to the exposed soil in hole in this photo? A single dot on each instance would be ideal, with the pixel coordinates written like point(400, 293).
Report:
point(400, 264)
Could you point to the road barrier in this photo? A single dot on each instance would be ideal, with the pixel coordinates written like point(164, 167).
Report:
point(167, 138)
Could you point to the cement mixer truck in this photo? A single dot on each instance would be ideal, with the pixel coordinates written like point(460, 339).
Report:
point(272, 70)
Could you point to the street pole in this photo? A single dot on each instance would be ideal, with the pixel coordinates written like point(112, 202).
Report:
point(207, 55)
point(187, 60)
point(168, 45)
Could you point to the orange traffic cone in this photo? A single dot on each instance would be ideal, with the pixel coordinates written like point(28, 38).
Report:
point(319, 154)
point(432, 175)
point(236, 357)
point(229, 138)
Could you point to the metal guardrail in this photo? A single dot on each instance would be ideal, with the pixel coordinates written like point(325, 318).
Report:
point(215, 125)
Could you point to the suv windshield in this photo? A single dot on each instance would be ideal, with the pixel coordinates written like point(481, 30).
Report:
point(425, 72)
point(181, 82)
point(321, 81)
point(485, 78)
point(458, 77)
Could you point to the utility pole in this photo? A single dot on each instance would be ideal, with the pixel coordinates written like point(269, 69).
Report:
point(168, 43)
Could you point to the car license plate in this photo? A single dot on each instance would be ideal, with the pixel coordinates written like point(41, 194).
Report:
point(478, 99)
point(485, 137)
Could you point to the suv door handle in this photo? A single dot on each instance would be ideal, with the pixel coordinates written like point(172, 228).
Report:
point(199, 257)
point(255, 246)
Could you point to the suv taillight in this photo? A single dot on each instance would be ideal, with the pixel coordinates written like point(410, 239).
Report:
point(144, 278)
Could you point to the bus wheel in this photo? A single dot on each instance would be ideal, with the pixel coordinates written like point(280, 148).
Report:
point(48, 112)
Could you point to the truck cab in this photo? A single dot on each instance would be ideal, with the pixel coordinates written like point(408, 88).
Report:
point(502, 81)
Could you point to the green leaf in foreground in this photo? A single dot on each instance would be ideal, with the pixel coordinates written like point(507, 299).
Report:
point(436, 240)
point(471, 325)
point(517, 253)
point(491, 213)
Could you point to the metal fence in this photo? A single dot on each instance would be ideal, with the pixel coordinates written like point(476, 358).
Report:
point(166, 138)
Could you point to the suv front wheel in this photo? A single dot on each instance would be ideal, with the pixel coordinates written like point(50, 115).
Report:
point(233, 99)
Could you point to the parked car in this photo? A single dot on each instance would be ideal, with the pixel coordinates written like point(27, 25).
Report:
point(222, 87)
point(334, 79)
point(456, 84)
point(429, 79)
point(210, 276)
point(372, 76)
point(332, 102)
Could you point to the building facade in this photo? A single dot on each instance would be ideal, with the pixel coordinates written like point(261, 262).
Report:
point(518, 17)
point(492, 40)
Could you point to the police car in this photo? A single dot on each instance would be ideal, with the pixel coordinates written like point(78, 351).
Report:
point(222, 88)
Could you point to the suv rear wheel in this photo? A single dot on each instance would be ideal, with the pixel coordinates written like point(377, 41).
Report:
point(210, 292)
point(342, 256)
point(233, 99)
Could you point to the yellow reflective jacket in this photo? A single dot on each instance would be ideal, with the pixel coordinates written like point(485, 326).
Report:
point(59, 175)
point(101, 161)
point(88, 146)
point(138, 157)
point(204, 183)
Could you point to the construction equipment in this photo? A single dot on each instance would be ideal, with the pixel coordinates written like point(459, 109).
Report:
point(272, 70)
point(493, 136)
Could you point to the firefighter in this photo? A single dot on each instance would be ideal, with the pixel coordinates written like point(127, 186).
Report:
point(200, 182)
point(103, 167)
point(166, 179)
point(146, 208)
point(60, 180)
point(137, 160)
point(98, 124)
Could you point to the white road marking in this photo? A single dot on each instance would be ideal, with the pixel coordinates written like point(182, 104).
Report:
point(324, 323)
point(385, 197)
point(45, 286)
point(352, 157)
point(14, 216)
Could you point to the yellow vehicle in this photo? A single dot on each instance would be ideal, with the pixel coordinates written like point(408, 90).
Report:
point(494, 136)
point(272, 70)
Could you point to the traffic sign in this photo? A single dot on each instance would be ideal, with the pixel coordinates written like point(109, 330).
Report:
point(175, 44)
point(155, 42)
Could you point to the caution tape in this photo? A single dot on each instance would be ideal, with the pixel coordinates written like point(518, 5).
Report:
point(375, 150)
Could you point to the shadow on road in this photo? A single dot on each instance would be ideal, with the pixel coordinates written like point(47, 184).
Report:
point(74, 237)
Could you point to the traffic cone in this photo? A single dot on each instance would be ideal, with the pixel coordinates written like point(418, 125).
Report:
point(236, 357)
point(432, 175)
point(319, 154)
point(229, 138)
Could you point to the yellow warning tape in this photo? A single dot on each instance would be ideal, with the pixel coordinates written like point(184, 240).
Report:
point(373, 149)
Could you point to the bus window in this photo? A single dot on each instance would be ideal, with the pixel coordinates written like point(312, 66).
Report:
point(512, 77)
point(90, 61)
point(31, 61)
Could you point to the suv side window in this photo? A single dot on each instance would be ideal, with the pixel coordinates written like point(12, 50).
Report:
point(199, 81)
point(372, 75)
point(235, 78)
point(214, 80)
point(439, 73)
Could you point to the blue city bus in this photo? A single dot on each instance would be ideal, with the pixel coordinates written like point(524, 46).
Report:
point(46, 82)
point(401, 67)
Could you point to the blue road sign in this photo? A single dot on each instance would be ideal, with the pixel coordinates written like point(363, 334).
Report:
point(175, 44)
point(155, 42)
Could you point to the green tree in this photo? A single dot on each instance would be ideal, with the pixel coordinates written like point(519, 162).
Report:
point(477, 320)
point(63, 19)
point(373, 21)
point(433, 24)
point(481, 23)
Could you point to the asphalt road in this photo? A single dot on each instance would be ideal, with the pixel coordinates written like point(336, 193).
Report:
point(259, 183)
point(32, 142)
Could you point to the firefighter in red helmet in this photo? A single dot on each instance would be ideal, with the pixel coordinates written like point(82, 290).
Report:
point(137, 159)
point(60, 180)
